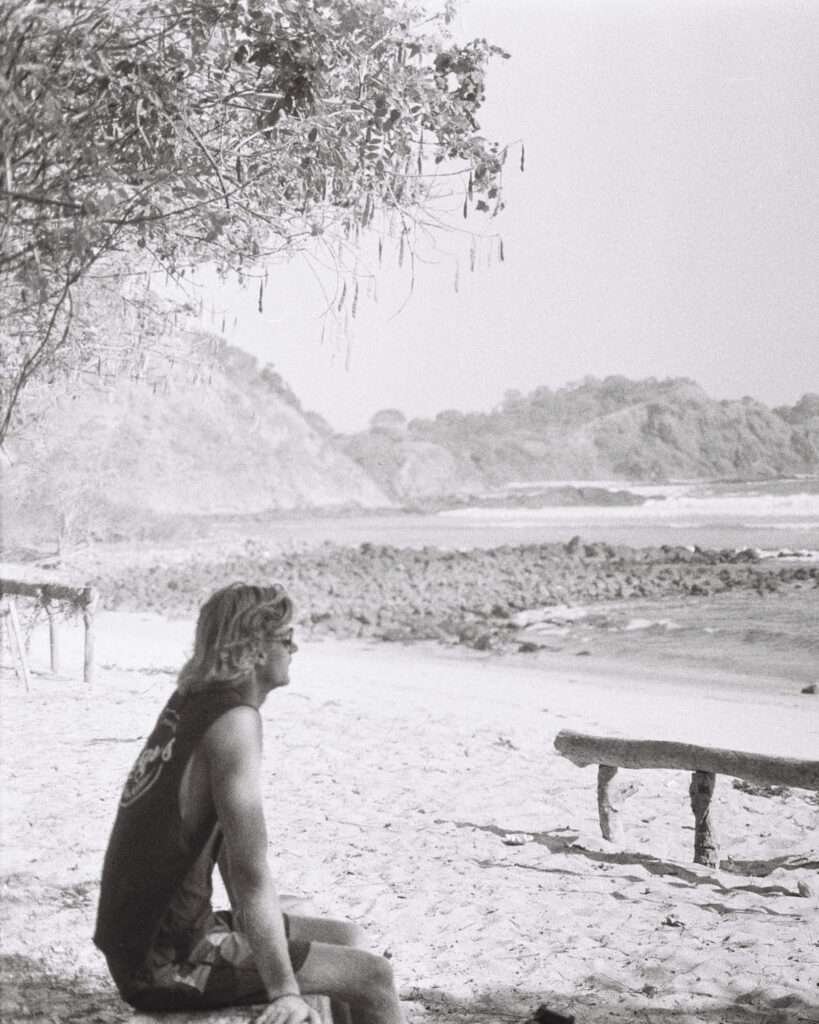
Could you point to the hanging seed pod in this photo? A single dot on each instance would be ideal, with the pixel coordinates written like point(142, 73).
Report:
point(261, 296)
point(457, 281)
point(473, 253)
point(522, 157)
point(401, 250)
point(343, 297)
point(500, 250)
point(466, 208)
point(354, 309)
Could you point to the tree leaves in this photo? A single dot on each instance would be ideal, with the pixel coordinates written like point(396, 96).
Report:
point(186, 131)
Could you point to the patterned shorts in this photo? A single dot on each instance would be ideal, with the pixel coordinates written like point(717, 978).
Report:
point(218, 971)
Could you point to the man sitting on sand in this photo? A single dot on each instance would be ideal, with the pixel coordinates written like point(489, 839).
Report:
point(194, 798)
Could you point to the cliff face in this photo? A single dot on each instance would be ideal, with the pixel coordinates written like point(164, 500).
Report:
point(237, 442)
point(233, 439)
point(611, 429)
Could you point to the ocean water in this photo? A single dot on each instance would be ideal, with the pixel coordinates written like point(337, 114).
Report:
point(770, 641)
point(780, 516)
point(769, 515)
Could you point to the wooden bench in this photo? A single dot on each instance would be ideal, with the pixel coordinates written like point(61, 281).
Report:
point(610, 753)
point(47, 591)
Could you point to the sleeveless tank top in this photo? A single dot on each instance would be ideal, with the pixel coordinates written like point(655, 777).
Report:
point(148, 854)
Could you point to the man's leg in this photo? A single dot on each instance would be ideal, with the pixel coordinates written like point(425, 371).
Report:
point(334, 931)
point(339, 967)
point(362, 980)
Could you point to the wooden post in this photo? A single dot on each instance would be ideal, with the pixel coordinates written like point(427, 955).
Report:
point(705, 842)
point(607, 810)
point(53, 635)
point(89, 606)
point(16, 642)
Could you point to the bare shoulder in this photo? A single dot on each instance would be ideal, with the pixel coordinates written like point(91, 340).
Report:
point(235, 735)
point(233, 754)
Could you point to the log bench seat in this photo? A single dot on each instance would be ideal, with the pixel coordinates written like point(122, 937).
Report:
point(610, 753)
point(228, 1015)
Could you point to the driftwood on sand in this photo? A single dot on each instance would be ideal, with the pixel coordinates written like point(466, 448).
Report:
point(610, 753)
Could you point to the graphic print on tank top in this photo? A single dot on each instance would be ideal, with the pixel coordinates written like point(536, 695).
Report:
point(157, 752)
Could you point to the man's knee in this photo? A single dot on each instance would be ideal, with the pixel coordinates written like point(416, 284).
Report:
point(377, 980)
point(355, 976)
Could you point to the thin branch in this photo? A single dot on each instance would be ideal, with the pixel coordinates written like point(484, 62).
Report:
point(31, 362)
point(28, 197)
point(211, 161)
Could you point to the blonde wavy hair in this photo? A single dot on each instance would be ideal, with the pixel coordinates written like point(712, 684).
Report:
point(234, 629)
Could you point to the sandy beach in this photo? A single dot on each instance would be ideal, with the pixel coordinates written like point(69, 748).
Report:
point(416, 790)
point(486, 332)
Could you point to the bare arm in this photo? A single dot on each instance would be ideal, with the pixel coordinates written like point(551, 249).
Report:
point(233, 751)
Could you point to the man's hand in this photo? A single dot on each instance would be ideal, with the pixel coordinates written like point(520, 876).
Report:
point(289, 1009)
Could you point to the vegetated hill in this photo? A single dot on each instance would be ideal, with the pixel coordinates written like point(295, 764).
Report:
point(210, 434)
point(616, 429)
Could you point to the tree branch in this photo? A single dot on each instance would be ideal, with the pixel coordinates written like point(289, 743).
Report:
point(211, 161)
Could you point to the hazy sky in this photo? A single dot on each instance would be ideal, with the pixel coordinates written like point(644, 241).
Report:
point(667, 223)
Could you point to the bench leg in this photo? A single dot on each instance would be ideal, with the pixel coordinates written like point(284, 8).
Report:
point(607, 811)
point(705, 841)
point(8, 610)
point(90, 598)
point(53, 636)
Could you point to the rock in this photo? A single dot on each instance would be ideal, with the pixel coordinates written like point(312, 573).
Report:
point(810, 688)
point(527, 647)
point(516, 839)
point(492, 595)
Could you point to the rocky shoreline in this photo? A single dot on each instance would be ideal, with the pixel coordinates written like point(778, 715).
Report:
point(473, 597)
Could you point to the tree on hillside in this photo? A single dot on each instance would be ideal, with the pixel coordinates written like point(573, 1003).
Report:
point(390, 421)
point(173, 133)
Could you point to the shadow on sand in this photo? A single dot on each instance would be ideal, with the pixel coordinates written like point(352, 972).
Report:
point(567, 842)
point(29, 992)
point(37, 996)
point(599, 1004)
